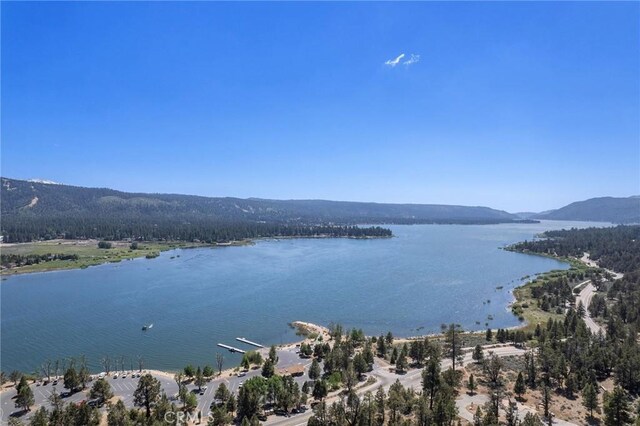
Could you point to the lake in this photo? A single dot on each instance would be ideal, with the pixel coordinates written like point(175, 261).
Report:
point(410, 284)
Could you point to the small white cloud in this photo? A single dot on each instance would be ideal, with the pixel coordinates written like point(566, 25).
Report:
point(412, 60)
point(393, 62)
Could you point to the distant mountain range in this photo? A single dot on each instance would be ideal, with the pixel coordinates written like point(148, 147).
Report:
point(39, 209)
point(37, 198)
point(603, 209)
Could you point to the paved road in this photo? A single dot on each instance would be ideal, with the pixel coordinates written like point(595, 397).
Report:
point(386, 378)
point(465, 400)
point(41, 395)
point(586, 259)
point(124, 387)
point(587, 292)
point(585, 296)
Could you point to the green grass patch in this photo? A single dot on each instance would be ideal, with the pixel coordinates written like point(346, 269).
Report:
point(87, 251)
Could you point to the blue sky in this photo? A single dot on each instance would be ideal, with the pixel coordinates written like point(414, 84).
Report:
point(517, 106)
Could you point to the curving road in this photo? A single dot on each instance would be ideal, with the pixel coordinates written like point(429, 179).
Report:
point(585, 296)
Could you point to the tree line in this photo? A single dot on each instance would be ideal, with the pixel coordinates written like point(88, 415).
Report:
point(15, 260)
point(616, 248)
point(16, 229)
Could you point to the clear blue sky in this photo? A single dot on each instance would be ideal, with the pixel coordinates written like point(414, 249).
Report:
point(518, 106)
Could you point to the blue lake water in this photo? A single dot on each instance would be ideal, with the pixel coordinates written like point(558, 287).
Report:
point(410, 284)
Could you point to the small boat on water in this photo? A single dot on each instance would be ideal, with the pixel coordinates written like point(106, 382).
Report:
point(147, 327)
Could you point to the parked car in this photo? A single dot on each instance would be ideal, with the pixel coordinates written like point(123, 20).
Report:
point(97, 402)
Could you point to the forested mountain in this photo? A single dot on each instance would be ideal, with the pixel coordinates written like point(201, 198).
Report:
point(33, 210)
point(603, 209)
point(27, 198)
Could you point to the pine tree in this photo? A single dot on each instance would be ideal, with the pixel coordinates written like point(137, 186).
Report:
point(118, 415)
point(453, 342)
point(360, 365)
point(489, 335)
point(71, 379)
point(401, 362)
point(389, 338)
point(268, 370)
point(478, 354)
point(616, 408)
point(25, 398)
point(477, 417)
point(381, 347)
point(147, 393)
point(200, 380)
point(380, 406)
point(320, 390)
point(471, 384)
point(431, 379)
point(590, 398)
point(519, 387)
point(273, 355)
point(314, 370)
point(546, 400)
point(531, 369)
point(101, 390)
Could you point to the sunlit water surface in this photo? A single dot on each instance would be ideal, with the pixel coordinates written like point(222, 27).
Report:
point(410, 284)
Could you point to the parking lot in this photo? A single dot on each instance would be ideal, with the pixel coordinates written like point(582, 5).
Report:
point(124, 387)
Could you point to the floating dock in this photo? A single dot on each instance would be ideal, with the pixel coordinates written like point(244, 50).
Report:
point(249, 342)
point(231, 348)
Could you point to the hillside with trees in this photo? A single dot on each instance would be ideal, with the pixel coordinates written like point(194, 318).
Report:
point(616, 248)
point(602, 209)
point(37, 210)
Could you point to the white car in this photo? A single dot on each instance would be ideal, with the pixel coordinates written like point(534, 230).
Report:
point(115, 375)
point(242, 374)
point(240, 385)
point(102, 375)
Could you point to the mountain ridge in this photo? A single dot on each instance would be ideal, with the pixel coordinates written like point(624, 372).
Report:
point(17, 194)
point(623, 210)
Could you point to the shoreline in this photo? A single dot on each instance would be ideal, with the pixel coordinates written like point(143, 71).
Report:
point(306, 329)
point(533, 315)
point(301, 326)
point(171, 245)
point(323, 331)
point(144, 253)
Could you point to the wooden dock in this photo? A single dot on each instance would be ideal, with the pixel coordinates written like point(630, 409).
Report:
point(249, 342)
point(231, 348)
